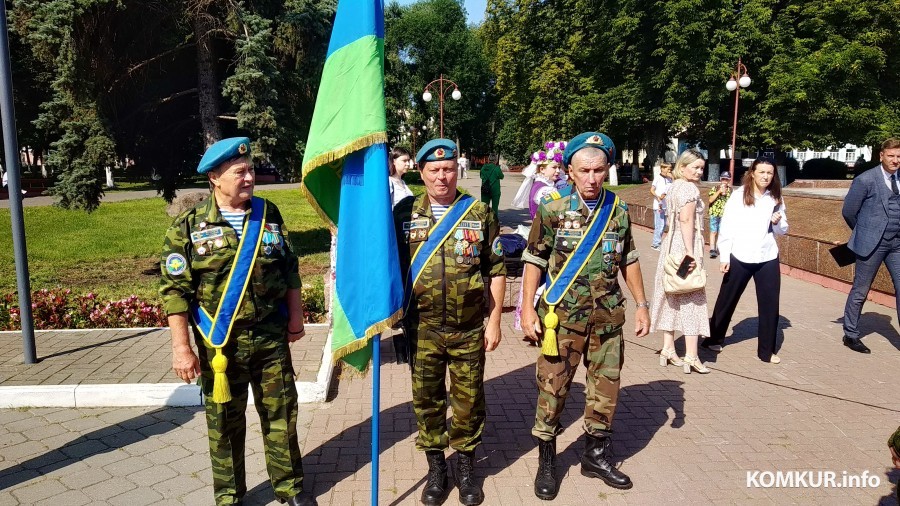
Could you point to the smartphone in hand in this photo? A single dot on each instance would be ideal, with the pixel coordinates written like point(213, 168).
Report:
point(685, 266)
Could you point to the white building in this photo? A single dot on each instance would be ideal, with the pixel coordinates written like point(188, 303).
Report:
point(848, 154)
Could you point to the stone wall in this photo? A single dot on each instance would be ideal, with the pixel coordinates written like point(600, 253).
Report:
point(816, 226)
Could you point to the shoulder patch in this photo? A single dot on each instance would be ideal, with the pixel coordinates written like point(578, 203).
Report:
point(176, 264)
point(497, 247)
point(623, 205)
point(550, 197)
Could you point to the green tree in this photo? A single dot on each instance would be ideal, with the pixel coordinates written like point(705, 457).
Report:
point(422, 42)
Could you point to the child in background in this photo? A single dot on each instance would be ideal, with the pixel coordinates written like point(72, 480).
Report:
point(717, 198)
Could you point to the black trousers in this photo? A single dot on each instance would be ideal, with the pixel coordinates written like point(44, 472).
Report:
point(767, 277)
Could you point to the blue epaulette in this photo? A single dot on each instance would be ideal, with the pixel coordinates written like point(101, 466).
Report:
point(557, 194)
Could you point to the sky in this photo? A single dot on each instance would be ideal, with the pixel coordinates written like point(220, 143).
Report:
point(474, 9)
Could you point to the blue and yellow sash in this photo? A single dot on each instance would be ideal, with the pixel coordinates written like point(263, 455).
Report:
point(215, 330)
point(556, 288)
point(436, 237)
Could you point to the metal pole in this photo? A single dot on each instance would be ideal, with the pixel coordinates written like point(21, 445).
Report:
point(737, 96)
point(442, 105)
point(7, 111)
point(376, 409)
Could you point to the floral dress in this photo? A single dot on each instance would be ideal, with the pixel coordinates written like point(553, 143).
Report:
point(686, 312)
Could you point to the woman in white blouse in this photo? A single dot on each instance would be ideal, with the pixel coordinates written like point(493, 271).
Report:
point(753, 215)
point(400, 163)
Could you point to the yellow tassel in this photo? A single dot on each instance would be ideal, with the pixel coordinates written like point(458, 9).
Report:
point(221, 392)
point(550, 347)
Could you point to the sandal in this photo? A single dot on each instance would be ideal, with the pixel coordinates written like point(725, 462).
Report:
point(667, 356)
point(695, 364)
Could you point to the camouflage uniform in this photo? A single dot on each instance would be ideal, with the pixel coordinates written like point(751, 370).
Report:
point(257, 348)
point(591, 313)
point(446, 323)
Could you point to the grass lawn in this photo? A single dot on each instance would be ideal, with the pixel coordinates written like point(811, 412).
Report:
point(114, 251)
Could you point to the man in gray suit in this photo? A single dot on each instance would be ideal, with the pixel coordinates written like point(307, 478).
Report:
point(872, 210)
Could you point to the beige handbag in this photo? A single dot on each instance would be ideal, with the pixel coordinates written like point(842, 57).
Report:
point(695, 280)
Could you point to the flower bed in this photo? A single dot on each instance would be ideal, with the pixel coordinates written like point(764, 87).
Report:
point(61, 309)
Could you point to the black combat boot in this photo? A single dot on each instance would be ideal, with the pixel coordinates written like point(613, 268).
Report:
point(300, 499)
point(470, 494)
point(595, 463)
point(436, 488)
point(545, 485)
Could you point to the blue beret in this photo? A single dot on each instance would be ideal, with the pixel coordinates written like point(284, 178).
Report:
point(222, 151)
point(589, 140)
point(436, 150)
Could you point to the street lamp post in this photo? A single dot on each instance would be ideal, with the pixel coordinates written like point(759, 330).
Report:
point(426, 96)
point(413, 132)
point(739, 79)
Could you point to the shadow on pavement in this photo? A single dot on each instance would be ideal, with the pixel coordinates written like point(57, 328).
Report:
point(502, 444)
point(877, 323)
point(98, 442)
point(514, 217)
point(892, 475)
point(745, 330)
point(641, 411)
point(128, 336)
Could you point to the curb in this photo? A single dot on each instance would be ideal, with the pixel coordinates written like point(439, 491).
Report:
point(145, 394)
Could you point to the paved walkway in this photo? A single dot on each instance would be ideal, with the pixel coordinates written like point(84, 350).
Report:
point(683, 438)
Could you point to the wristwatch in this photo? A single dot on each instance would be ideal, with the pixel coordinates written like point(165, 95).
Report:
point(644, 304)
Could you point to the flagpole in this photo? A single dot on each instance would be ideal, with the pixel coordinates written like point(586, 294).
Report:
point(376, 409)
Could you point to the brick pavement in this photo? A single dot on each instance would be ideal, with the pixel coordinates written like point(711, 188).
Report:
point(682, 438)
point(115, 356)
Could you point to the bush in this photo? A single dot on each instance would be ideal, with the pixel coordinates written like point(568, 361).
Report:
point(792, 170)
point(314, 305)
point(824, 168)
point(862, 166)
point(60, 309)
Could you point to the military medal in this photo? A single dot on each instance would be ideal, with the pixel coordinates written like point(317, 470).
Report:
point(576, 224)
point(565, 243)
point(201, 250)
point(459, 259)
point(202, 225)
point(219, 242)
point(568, 224)
point(267, 249)
point(209, 244)
point(477, 260)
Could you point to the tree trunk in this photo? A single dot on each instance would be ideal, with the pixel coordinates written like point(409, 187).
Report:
point(206, 81)
point(715, 162)
point(655, 139)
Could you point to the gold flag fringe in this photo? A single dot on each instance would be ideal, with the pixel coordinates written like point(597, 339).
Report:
point(361, 343)
point(331, 156)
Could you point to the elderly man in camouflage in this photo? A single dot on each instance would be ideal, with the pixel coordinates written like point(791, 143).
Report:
point(228, 269)
point(581, 239)
point(450, 244)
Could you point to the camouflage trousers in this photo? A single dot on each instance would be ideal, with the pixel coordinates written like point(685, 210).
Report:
point(262, 361)
point(603, 356)
point(462, 353)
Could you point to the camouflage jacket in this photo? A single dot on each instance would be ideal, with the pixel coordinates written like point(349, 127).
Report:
point(451, 291)
point(595, 295)
point(207, 244)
